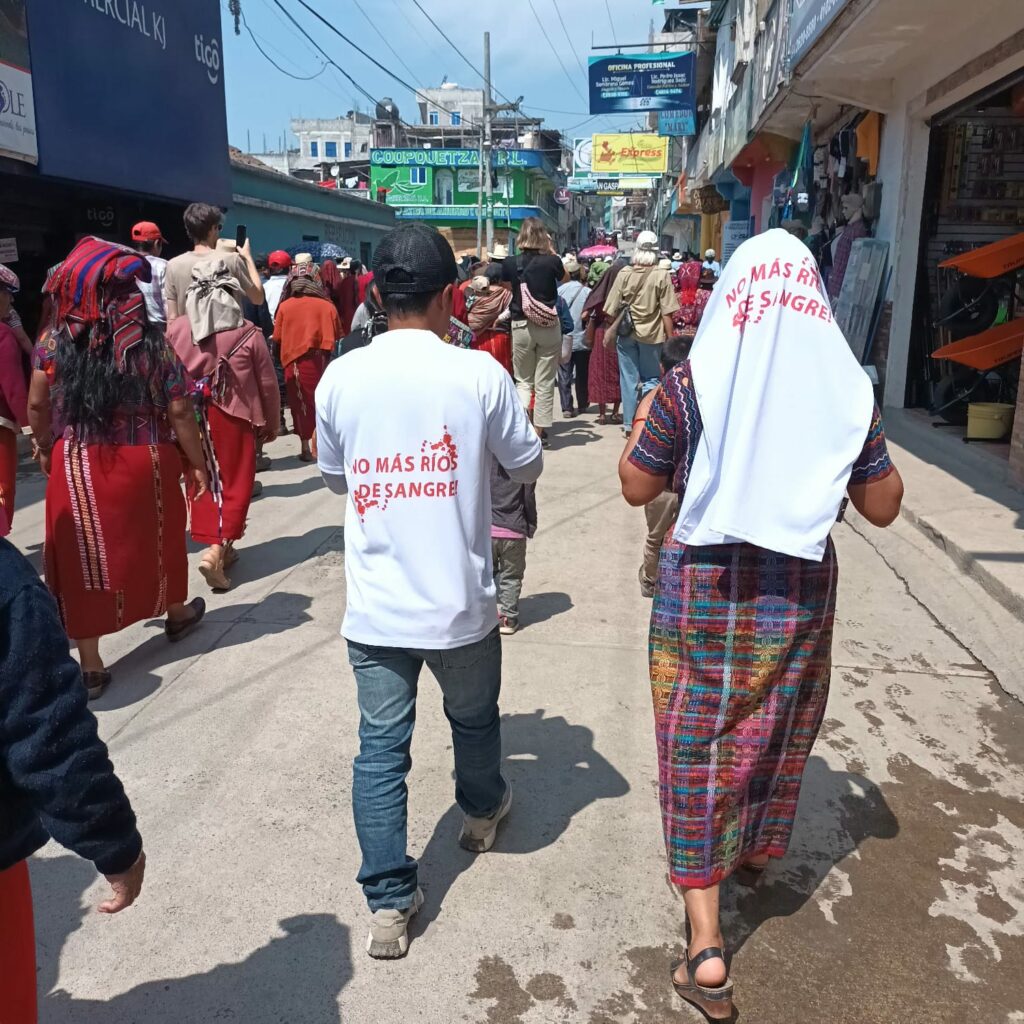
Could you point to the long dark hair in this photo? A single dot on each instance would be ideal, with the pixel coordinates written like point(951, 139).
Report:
point(92, 388)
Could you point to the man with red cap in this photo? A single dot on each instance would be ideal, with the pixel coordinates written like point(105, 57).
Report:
point(148, 239)
point(278, 263)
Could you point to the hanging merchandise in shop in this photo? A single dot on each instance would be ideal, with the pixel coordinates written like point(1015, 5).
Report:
point(662, 81)
point(128, 77)
point(17, 109)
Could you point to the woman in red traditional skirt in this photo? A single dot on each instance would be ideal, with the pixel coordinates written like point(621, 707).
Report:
point(306, 328)
point(489, 316)
point(234, 387)
point(115, 514)
point(604, 359)
point(13, 416)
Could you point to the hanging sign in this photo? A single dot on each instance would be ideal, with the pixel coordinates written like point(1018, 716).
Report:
point(582, 150)
point(677, 122)
point(563, 196)
point(17, 108)
point(652, 81)
point(630, 154)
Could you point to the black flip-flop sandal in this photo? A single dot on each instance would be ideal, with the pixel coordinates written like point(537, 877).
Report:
point(714, 1003)
point(96, 683)
point(175, 631)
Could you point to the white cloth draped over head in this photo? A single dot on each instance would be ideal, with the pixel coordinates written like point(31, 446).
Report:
point(213, 301)
point(785, 405)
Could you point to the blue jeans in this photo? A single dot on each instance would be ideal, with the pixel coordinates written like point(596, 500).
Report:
point(386, 681)
point(638, 364)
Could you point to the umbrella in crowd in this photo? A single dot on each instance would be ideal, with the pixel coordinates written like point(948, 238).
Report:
point(595, 252)
point(320, 251)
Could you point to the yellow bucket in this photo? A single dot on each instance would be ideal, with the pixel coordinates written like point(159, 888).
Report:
point(989, 421)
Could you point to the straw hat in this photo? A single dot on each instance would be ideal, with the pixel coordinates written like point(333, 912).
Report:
point(303, 257)
point(500, 252)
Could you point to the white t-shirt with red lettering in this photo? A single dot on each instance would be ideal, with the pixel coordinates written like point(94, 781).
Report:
point(412, 423)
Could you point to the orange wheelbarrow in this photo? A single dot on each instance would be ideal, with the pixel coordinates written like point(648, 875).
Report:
point(994, 356)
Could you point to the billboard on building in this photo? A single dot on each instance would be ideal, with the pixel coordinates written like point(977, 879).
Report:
point(630, 154)
point(652, 81)
point(582, 156)
point(809, 18)
point(677, 122)
point(131, 96)
point(17, 109)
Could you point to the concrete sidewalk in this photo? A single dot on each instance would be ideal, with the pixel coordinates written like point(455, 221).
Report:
point(960, 497)
point(899, 900)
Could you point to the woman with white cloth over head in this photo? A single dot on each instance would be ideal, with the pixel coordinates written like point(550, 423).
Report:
point(763, 432)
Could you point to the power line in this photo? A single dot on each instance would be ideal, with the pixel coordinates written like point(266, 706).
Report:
point(615, 38)
point(256, 43)
point(383, 38)
point(555, 52)
point(568, 38)
point(373, 60)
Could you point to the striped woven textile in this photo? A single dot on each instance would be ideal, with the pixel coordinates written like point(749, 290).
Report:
point(740, 657)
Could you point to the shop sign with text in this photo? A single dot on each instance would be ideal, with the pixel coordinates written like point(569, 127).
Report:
point(452, 158)
point(807, 22)
point(17, 109)
point(630, 154)
point(653, 81)
point(130, 95)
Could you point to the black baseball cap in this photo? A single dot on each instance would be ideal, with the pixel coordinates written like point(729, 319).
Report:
point(412, 260)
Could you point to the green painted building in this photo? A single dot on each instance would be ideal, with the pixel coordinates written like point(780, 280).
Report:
point(442, 186)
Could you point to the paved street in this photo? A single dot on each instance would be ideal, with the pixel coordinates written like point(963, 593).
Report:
point(900, 900)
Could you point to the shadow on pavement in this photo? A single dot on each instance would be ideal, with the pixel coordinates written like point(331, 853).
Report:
point(133, 675)
point(295, 978)
point(295, 489)
point(535, 608)
point(555, 773)
point(838, 812)
point(574, 436)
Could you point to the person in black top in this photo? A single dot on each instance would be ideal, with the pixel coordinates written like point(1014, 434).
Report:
point(56, 778)
point(534, 275)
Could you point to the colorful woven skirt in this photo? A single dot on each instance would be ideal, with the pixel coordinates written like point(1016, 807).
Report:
point(740, 656)
point(115, 534)
point(8, 478)
point(18, 942)
point(604, 372)
point(230, 448)
point(301, 378)
point(498, 344)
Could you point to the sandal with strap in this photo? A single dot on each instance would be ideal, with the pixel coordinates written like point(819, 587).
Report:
point(714, 1003)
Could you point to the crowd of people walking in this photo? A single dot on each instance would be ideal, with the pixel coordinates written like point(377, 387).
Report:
point(149, 375)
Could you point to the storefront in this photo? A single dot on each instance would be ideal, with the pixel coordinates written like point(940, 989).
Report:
point(973, 197)
point(106, 148)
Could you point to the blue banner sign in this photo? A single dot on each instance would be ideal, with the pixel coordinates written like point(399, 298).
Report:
point(807, 22)
point(453, 158)
point(651, 81)
point(677, 122)
point(131, 95)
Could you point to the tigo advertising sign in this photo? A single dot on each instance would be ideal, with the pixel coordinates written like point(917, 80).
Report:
point(630, 154)
point(653, 81)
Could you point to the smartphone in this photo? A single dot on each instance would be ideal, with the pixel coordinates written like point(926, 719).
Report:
point(240, 233)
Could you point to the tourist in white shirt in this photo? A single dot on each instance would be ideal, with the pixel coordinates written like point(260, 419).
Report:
point(149, 240)
point(407, 427)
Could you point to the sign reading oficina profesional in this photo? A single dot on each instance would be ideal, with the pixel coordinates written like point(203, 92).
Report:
point(17, 109)
point(650, 81)
point(630, 154)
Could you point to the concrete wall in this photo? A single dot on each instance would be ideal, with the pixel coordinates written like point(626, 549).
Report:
point(280, 212)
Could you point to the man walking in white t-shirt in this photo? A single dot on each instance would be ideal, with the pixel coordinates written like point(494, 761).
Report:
point(407, 427)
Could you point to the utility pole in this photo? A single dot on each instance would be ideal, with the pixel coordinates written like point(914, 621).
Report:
point(480, 189)
point(488, 144)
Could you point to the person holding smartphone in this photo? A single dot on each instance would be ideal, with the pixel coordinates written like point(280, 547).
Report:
point(203, 224)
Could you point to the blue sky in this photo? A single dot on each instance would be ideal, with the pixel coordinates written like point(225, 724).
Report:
point(260, 99)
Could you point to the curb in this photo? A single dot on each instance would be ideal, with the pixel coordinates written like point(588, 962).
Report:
point(1010, 599)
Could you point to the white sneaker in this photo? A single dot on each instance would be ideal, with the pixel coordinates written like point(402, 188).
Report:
point(478, 834)
point(389, 931)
